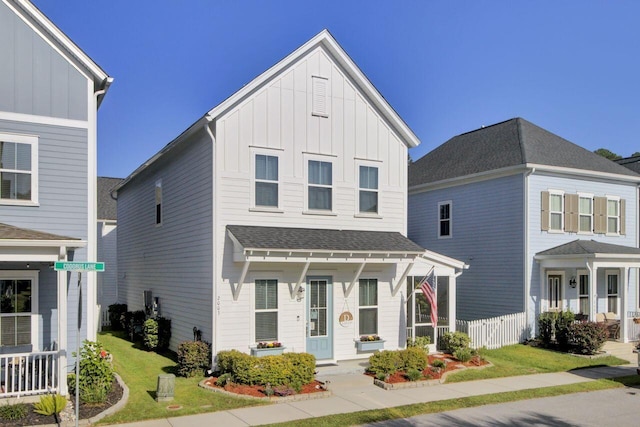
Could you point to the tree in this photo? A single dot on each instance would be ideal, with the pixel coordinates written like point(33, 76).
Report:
point(607, 154)
point(636, 154)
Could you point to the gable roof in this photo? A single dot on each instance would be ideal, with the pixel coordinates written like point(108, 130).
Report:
point(33, 16)
point(310, 239)
point(107, 205)
point(510, 144)
point(11, 235)
point(632, 163)
point(322, 40)
point(588, 248)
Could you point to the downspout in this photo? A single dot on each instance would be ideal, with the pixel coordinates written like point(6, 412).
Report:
point(527, 270)
point(214, 248)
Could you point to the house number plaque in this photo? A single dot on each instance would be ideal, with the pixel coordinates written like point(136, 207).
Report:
point(345, 319)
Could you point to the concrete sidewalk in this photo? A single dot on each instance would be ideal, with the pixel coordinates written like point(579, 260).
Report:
point(354, 392)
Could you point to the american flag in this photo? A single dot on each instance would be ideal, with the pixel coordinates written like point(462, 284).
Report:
point(429, 290)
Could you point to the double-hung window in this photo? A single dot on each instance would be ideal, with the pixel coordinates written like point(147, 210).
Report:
point(18, 169)
point(583, 293)
point(612, 293)
point(266, 181)
point(266, 310)
point(320, 187)
point(556, 211)
point(368, 307)
point(368, 190)
point(18, 301)
point(444, 219)
point(613, 216)
point(585, 212)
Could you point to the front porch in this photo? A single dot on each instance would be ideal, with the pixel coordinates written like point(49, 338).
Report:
point(24, 374)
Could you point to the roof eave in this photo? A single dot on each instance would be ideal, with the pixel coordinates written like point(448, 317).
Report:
point(42, 243)
point(585, 173)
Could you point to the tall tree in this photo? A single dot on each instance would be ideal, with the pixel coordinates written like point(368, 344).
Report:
point(607, 154)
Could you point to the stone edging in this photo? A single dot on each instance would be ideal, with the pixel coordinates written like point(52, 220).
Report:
point(273, 399)
point(423, 383)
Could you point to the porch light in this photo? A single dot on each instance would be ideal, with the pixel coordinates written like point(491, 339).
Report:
point(300, 294)
point(572, 282)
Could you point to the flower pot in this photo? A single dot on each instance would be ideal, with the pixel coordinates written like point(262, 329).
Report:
point(370, 345)
point(267, 351)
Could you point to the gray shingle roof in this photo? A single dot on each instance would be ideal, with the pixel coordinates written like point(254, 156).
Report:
point(9, 232)
point(510, 143)
point(632, 163)
point(589, 247)
point(107, 207)
point(281, 238)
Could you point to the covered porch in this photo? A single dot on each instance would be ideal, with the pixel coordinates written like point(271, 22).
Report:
point(33, 311)
point(597, 281)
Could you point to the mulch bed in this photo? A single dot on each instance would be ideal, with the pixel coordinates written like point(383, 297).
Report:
point(258, 390)
point(430, 373)
point(86, 410)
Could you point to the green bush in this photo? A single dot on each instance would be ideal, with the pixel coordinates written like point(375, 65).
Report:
point(386, 361)
point(225, 360)
point(164, 332)
point(439, 364)
point(13, 412)
point(421, 342)
point(96, 373)
point(135, 324)
point(303, 366)
point(115, 316)
point(452, 341)
point(413, 358)
point(563, 322)
point(51, 404)
point(150, 334)
point(546, 327)
point(463, 354)
point(193, 358)
point(224, 379)
point(587, 337)
point(414, 374)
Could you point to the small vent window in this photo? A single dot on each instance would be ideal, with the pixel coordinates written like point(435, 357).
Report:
point(320, 107)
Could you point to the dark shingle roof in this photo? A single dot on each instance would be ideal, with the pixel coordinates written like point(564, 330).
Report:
point(281, 238)
point(590, 247)
point(510, 143)
point(9, 232)
point(632, 163)
point(107, 207)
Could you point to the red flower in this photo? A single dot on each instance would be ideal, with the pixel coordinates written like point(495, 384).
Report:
point(103, 353)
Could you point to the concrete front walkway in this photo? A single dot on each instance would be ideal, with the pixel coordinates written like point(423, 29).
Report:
point(354, 392)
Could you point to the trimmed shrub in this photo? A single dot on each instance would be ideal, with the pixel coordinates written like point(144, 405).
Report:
point(587, 337)
point(13, 412)
point(546, 327)
point(563, 322)
point(413, 358)
point(463, 354)
point(414, 374)
point(193, 358)
point(135, 325)
point(115, 316)
point(452, 341)
point(150, 334)
point(303, 366)
point(164, 332)
point(421, 342)
point(386, 361)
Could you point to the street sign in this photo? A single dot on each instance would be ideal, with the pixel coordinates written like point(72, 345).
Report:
point(79, 266)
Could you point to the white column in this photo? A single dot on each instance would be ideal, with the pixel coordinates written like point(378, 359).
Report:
point(62, 332)
point(452, 303)
point(623, 302)
point(593, 297)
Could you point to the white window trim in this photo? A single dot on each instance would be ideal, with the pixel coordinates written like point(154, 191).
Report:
point(561, 297)
point(450, 235)
point(617, 200)
point(252, 281)
point(252, 204)
point(561, 212)
point(33, 276)
point(158, 184)
point(586, 196)
point(371, 164)
point(377, 307)
point(616, 273)
point(33, 141)
point(326, 159)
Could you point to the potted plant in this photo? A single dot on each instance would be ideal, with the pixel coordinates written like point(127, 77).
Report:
point(370, 343)
point(267, 349)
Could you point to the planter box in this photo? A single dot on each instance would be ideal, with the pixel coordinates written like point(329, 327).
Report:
point(370, 345)
point(269, 351)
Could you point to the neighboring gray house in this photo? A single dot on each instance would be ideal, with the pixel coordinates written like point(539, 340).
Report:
point(107, 244)
point(280, 215)
point(543, 223)
point(632, 163)
point(49, 95)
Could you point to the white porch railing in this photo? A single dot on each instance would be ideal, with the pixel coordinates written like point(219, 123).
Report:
point(495, 332)
point(28, 373)
point(104, 317)
point(633, 328)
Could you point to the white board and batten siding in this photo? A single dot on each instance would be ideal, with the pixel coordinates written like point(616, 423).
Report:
point(487, 232)
point(172, 260)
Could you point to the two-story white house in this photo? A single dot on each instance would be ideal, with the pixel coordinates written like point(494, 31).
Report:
point(280, 215)
point(50, 91)
point(543, 223)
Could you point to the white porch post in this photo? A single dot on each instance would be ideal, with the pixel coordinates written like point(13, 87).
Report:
point(623, 302)
point(593, 296)
point(62, 332)
point(452, 302)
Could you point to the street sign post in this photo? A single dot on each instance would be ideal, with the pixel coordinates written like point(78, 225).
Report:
point(78, 266)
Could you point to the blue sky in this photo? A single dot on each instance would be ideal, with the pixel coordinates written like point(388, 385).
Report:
point(447, 67)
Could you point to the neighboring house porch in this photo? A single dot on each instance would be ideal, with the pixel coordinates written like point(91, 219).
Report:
point(595, 280)
point(33, 311)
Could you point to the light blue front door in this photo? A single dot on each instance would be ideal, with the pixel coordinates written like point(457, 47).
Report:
point(319, 318)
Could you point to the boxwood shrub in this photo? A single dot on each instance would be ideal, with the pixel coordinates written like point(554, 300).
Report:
point(193, 358)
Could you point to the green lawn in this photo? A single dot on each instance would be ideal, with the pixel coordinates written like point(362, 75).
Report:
point(523, 360)
point(140, 369)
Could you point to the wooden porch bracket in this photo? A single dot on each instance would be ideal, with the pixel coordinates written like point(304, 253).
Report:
point(296, 288)
point(398, 285)
point(243, 275)
point(347, 291)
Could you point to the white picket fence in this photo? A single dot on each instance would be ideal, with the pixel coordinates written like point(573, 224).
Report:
point(633, 328)
point(495, 332)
